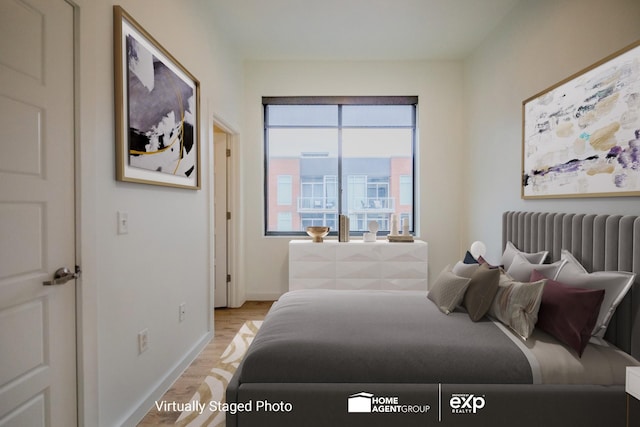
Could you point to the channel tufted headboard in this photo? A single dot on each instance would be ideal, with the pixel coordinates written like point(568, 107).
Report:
point(599, 242)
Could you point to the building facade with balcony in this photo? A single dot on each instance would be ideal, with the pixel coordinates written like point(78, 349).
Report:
point(306, 192)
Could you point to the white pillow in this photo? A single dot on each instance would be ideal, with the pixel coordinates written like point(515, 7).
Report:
point(510, 252)
point(616, 284)
point(521, 268)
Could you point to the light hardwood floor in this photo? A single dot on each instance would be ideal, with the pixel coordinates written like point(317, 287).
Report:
point(227, 322)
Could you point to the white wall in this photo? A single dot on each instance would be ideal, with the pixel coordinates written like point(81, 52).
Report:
point(137, 281)
point(537, 45)
point(440, 120)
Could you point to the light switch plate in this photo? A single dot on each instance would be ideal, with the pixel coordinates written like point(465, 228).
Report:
point(123, 222)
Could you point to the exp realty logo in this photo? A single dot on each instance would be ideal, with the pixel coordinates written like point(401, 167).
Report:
point(364, 402)
point(466, 403)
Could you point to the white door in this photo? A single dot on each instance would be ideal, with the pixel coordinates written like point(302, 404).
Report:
point(37, 224)
point(221, 224)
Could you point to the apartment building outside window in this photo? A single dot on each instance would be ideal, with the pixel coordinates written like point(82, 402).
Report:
point(284, 190)
point(326, 156)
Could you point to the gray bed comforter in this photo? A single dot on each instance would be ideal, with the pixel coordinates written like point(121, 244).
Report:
point(328, 336)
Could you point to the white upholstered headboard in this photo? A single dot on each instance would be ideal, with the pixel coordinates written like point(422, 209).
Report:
point(599, 242)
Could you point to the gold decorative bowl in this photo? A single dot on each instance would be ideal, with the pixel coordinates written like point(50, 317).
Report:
point(317, 233)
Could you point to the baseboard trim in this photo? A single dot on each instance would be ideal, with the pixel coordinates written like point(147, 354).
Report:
point(163, 385)
point(263, 296)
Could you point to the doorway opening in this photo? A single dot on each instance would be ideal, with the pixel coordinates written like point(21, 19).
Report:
point(222, 214)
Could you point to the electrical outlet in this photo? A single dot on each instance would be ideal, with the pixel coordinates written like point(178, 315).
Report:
point(143, 341)
point(182, 311)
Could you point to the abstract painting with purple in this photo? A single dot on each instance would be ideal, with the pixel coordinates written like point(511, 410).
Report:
point(581, 137)
point(161, 121)
point(157, 110)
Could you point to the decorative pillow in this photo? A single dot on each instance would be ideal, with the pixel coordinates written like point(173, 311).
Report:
point(516, 304)
point(567, 313)
point(520, 268)
point(481, 260)
point(448, 290)
point(615, 285)
point(464, 270)
point(482, 288)
point(469, 259)
point(510, 251)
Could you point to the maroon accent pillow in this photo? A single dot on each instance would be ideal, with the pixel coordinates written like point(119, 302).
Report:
point(567, 313)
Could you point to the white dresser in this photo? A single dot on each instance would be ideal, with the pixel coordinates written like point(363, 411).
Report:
point(358, 265)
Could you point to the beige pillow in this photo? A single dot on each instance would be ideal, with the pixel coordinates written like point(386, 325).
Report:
point(516, 304)
point(464, 270)
point(482, 288)
point(448, 290)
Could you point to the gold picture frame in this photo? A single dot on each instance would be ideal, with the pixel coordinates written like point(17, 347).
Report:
point(157, 108)
point(581, 137)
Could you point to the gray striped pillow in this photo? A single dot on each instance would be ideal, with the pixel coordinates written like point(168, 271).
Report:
point(516, 304)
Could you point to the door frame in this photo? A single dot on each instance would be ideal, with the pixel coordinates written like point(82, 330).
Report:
point(85, 99)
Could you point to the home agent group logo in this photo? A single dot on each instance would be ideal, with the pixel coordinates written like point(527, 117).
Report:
point(360, 402)
point(364, 402)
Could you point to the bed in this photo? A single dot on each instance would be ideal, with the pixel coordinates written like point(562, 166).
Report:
point(374, 358)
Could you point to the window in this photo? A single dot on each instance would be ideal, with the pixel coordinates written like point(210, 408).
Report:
point(284, 221)
point(406, 190)
point(338, 155)
point(284, 190)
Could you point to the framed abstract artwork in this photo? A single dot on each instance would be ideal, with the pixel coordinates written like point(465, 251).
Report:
point(157, 103)
point(581, 137)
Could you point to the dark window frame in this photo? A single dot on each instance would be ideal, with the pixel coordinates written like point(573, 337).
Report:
point(339, 101)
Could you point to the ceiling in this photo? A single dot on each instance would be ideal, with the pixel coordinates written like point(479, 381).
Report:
point(356, 29)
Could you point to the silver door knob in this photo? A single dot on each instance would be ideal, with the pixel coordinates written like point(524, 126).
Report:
point(62, 276)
